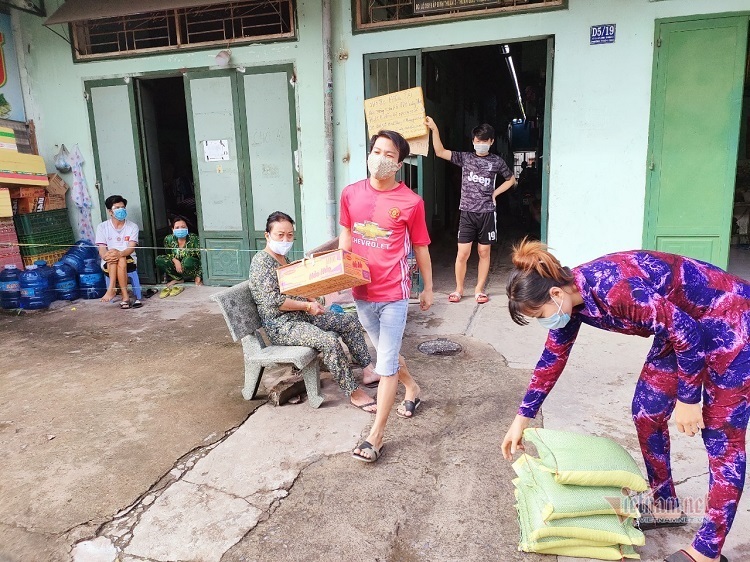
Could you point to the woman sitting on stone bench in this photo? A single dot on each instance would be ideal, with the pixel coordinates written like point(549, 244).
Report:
point(290, 320)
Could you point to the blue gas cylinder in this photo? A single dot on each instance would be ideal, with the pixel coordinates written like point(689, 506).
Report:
point(10, 287)
point(48, 272)
point(91, 282)
point(80, 252)
point(34, 286)
point(66, 282)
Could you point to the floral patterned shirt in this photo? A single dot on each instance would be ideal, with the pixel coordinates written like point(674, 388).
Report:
point(693, 309)
point(264, 286)
point(191, 249)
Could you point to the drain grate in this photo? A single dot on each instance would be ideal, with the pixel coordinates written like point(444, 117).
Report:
point(440, 346)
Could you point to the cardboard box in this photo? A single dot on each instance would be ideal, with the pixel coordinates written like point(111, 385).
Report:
point(6, 210)
point(55, 197)
point(22, 192)
point(324, 273)
point(27, 205)
point(22, 169)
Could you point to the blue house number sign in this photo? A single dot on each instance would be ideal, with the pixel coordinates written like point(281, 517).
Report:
point(603, 33)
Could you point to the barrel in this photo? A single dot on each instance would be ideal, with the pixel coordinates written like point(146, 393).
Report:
point(91, 282)
point(79, 253)
point(66, 282)
point(34, 285)
point(46, 270)
point(10, 287)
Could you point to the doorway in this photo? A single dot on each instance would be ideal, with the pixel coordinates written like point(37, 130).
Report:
point(506, 85)
point(165, 145)
point(739, 249)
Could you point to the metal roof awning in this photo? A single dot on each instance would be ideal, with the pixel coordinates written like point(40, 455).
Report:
point(80, 10)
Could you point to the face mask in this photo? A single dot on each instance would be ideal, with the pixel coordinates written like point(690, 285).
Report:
point(381, 167)
point(120, 213)
point(482, 149)
point(280, 248)
point(180, 232)
point(558, 320)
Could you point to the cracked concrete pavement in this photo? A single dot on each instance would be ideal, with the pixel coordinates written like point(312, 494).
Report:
point(127, 438)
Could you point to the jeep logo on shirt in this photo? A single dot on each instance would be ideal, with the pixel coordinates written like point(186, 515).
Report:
point(472, 177)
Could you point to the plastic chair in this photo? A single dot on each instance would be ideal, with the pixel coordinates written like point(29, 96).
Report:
point(135, 283)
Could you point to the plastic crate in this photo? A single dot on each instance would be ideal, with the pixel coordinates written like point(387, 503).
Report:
point(39, 222)
point(49, 257)
point(51, 241)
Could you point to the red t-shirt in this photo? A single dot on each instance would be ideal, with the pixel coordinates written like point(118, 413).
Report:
point(384, 225)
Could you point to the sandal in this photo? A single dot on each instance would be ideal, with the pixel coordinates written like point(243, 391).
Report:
point(409, 407)
point(481, 298)
point(365, 446)
point(176, 290)
point(137, 303)
point(682, 556)
point(124, 305)
point(150, 292)
point(364, 406)
point(164, 293)
point(454, 297)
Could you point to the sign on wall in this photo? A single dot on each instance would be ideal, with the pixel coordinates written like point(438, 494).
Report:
point(11, 96)
point(429, 6)
point(604, 33)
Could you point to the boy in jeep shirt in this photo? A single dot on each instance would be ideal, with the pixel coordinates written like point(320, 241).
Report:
point(478, 221)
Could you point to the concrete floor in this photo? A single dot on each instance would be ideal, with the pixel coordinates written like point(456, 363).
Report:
point(126, 438)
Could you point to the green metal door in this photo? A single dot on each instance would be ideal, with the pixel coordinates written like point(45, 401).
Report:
point(255, 115)
point(386, 73)
point(695, 121)
point(118, 160)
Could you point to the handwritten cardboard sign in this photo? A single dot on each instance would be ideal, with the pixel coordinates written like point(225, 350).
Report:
point(420, 145)
point(402, 112)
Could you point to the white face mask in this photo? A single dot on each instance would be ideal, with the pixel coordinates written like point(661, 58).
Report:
point(279, 246)
point(381, 167)
point(482, 149)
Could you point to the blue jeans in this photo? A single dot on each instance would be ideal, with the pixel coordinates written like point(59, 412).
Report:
point(385, 323)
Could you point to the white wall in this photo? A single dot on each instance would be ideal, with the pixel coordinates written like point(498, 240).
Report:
point(600, 108)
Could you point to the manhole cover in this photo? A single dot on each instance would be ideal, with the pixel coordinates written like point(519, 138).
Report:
point(440, 346)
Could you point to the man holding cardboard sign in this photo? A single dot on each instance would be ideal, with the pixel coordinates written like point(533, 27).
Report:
point(382, 220)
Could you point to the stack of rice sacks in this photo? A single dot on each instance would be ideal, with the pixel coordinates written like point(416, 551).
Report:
point(573, 500)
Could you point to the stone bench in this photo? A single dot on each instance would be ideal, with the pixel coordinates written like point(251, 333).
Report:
point(241, 315)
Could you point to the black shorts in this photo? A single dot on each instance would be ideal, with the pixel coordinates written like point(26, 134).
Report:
point(477, 227)
point(129, 263)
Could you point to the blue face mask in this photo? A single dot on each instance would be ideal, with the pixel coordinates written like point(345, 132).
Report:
point(120, 213)
point(180, 232)
point(558, 320)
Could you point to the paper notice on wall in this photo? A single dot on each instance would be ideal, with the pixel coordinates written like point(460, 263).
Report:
point(419, 145)
point(402, 112)
point(215, 150)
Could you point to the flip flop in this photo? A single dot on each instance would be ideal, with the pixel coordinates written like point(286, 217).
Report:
point(176, 290)
point(363, 406)
point(137, 303)
point(409, 406)
point(124, 305)
point(454, 297)
point(481, 298)
point(150, 293)
point(365, 445)
point(164, 293)
point(682, 556)
point(648, 521)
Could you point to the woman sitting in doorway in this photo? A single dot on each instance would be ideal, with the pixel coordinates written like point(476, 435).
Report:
point(182, 260)
point(290, 320)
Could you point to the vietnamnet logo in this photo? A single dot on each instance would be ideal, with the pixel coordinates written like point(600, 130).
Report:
point(371, 233)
